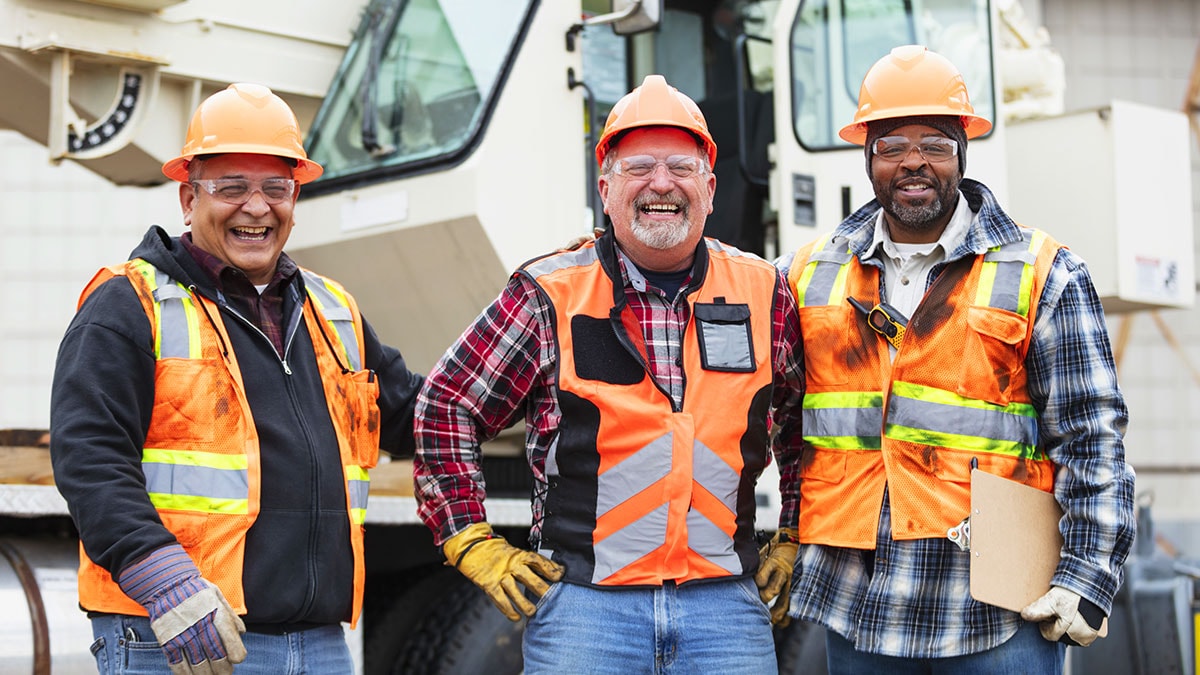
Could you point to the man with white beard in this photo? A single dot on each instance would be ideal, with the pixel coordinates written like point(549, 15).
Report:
point(645, 364)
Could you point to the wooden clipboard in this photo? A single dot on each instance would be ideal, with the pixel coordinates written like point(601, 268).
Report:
point(1015, 542)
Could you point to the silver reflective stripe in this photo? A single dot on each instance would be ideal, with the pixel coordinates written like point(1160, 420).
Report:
point(358, 493)
point(576, 258)
point(200, 481)
point(1006, 288)
point(956, 419)
point(634, 474)
point(705, 538)
point(626, 545)
point(828, 264)
point(857, 422)
point(336, 313)
point(174, 335)
point(714, 475)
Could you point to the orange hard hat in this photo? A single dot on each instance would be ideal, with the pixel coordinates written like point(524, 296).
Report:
point(246, 118)
point(912, 81)
point(656, 104)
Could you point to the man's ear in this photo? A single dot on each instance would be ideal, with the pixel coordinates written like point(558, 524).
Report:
point(187, 201)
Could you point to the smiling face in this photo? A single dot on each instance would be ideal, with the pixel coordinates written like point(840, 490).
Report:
point(658, 219)
point(918, 196)
point(247, 236)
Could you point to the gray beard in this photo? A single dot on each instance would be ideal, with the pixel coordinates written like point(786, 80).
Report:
point(918, 219)
point(661, 236)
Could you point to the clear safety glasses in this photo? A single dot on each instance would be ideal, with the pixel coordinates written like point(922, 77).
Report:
point(642, 166)
point(239, 190)
point(895, 149)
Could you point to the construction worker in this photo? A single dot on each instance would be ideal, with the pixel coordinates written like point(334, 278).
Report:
point(939, 333)
point(215, 409)
point(644, 363)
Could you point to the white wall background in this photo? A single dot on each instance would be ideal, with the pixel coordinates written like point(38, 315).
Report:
point(1143, 51)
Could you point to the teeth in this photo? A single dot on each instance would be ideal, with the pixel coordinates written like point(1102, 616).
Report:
point(251, 231)
point(661, 208)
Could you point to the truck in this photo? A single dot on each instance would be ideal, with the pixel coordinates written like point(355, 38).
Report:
point(457, 141)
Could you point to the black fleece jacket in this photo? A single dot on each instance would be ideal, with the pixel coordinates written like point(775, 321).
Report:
point(299, 566)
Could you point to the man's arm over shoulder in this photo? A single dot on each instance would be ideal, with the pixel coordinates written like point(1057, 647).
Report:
point(1073, 384)
point(101, 402)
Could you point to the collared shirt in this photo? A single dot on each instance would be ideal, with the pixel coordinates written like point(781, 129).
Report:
point(505, 364)
point(265, 309)
point(913, 599)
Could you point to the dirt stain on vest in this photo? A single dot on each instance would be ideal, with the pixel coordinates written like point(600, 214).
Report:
point(222, 407)
point(936, 308)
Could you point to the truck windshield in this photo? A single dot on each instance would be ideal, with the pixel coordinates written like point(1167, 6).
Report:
point(835, 42)
point(414, 87)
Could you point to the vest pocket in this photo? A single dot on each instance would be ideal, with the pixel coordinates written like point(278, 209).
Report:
point(726, 344)
point(992, 354)
point(828, 466)
point(192, 404)
point(827, 331)
point(362, 410)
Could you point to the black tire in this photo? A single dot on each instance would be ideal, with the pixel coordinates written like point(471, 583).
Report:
point(444, 625)
point(800, 649)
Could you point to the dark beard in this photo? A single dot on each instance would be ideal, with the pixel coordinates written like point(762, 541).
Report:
point(922, 218)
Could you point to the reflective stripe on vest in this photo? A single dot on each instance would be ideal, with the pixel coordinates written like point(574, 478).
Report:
point(333, 306)
point(188, 480)
point(917, 413)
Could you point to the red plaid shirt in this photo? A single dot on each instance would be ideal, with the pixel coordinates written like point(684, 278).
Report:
point(505, 364)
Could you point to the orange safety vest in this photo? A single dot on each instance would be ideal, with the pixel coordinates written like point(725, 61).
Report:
point(201, 456)
point(955, 392)
point(641, 492)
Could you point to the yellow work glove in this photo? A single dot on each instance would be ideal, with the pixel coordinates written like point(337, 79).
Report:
point(774, 577)
point(1065, 616)
point(496, 566)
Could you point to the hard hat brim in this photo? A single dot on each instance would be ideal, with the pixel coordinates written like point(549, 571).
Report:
point(306, 170)
point(856, 132)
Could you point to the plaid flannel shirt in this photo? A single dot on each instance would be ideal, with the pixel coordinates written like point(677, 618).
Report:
point(504, 365)
point(914, 601)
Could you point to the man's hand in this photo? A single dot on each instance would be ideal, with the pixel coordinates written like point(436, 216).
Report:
point(496, 566)
point(1065, 616)
point(774, 578)
point(194, 624)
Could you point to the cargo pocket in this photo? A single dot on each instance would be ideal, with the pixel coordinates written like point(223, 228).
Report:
point(827, 331)
point(193, 405)
point(362, 409)
point(726, 343)
point(992, 354)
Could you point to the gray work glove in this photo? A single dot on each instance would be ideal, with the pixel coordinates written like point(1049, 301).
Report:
point(1065, 616)
point(197, 629)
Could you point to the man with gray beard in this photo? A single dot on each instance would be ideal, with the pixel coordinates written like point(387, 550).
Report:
point(646, 364)
point(941, 335)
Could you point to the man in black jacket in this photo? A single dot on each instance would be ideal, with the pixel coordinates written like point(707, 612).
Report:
point(215, 410)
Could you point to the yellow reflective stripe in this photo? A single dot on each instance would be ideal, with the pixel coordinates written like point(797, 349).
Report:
point(961, 441)
point(1035, 246)
point(846, 442)
point(838, 292)
point(315, 297)
point(806, 276)
point(212, 460)
point(987, 279)
point(358, 516)
point(199, 504)
point(844, 399)
point(355, 472)
point(934, 395)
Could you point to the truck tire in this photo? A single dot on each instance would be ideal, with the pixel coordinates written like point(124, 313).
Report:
point(444, 625)
point(800, 649)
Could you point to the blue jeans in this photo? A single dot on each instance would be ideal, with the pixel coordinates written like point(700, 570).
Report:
point(1025, 652)
point(125, 645)
point(707, 627)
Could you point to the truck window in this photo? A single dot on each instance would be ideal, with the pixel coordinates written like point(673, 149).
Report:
point(835, 42)
point(414, 87)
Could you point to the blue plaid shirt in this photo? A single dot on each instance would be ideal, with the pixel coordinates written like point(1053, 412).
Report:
point(915, 600)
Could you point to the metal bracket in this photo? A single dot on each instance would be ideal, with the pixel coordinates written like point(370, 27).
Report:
point(961, 534)
point(70, 137)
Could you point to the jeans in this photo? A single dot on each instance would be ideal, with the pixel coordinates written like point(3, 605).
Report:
point(704, 627)
point(1025, 652)
point(125, 645)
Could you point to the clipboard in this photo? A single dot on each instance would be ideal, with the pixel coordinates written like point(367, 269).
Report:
point(1015, 542)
